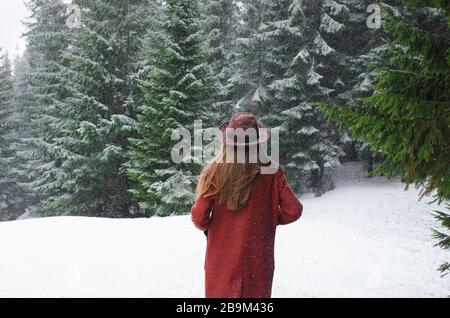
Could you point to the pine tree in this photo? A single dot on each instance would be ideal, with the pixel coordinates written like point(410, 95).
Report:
point(357, 45)
point(407, 117)
point(23, 93)
point(24, 103)
point(220, 28)
point(307, 144)
point(47, 37)
point(11, 194)
point(314, 51)
point(250, 78)
point(98, 113)
point(178, 91)
point(291, 54)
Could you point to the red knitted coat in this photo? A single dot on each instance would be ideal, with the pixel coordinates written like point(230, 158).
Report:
point(239, 258)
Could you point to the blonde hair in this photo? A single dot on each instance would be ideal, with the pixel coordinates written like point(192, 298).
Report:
point(232, 182)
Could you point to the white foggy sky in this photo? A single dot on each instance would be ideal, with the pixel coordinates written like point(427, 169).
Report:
point(12, 13)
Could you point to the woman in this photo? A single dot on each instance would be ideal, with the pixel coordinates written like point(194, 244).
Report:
point(239, 209)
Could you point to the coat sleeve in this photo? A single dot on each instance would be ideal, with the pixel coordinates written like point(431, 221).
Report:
point(290, 209)
point(201, 211)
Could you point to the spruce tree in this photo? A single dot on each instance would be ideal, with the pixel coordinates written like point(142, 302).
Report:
point(407, 117)
point(358, 45)
point(178, 90)
point(291, 54)
point(12, 195)
point(24, 154)
point(23, 93)
point(307, 144)
point(220, 31)
point(42, 91)
point(250, 78)
point(314, 51)
point(98, 113)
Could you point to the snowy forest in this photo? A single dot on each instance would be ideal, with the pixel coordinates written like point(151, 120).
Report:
point(86, 113)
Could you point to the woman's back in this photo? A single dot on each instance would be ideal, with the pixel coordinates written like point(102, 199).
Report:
point(240, 251)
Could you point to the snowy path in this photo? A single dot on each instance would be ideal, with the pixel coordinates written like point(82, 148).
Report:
point(366, 239)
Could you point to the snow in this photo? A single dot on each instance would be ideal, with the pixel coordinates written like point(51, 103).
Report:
point(294, 112)
point(321, 47)
point(366, 238)
point(336, 8)
point(329, 25)
point(313, 77)
point(308, 130)
point(259, 95)
point(303, 55)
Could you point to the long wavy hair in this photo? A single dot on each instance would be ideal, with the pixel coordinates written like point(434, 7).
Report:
point(230, 182)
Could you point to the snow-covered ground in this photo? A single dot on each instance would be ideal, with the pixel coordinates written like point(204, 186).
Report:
point(367, 238)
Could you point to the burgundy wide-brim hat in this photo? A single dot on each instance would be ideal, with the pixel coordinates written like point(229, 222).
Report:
point(244, 121)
